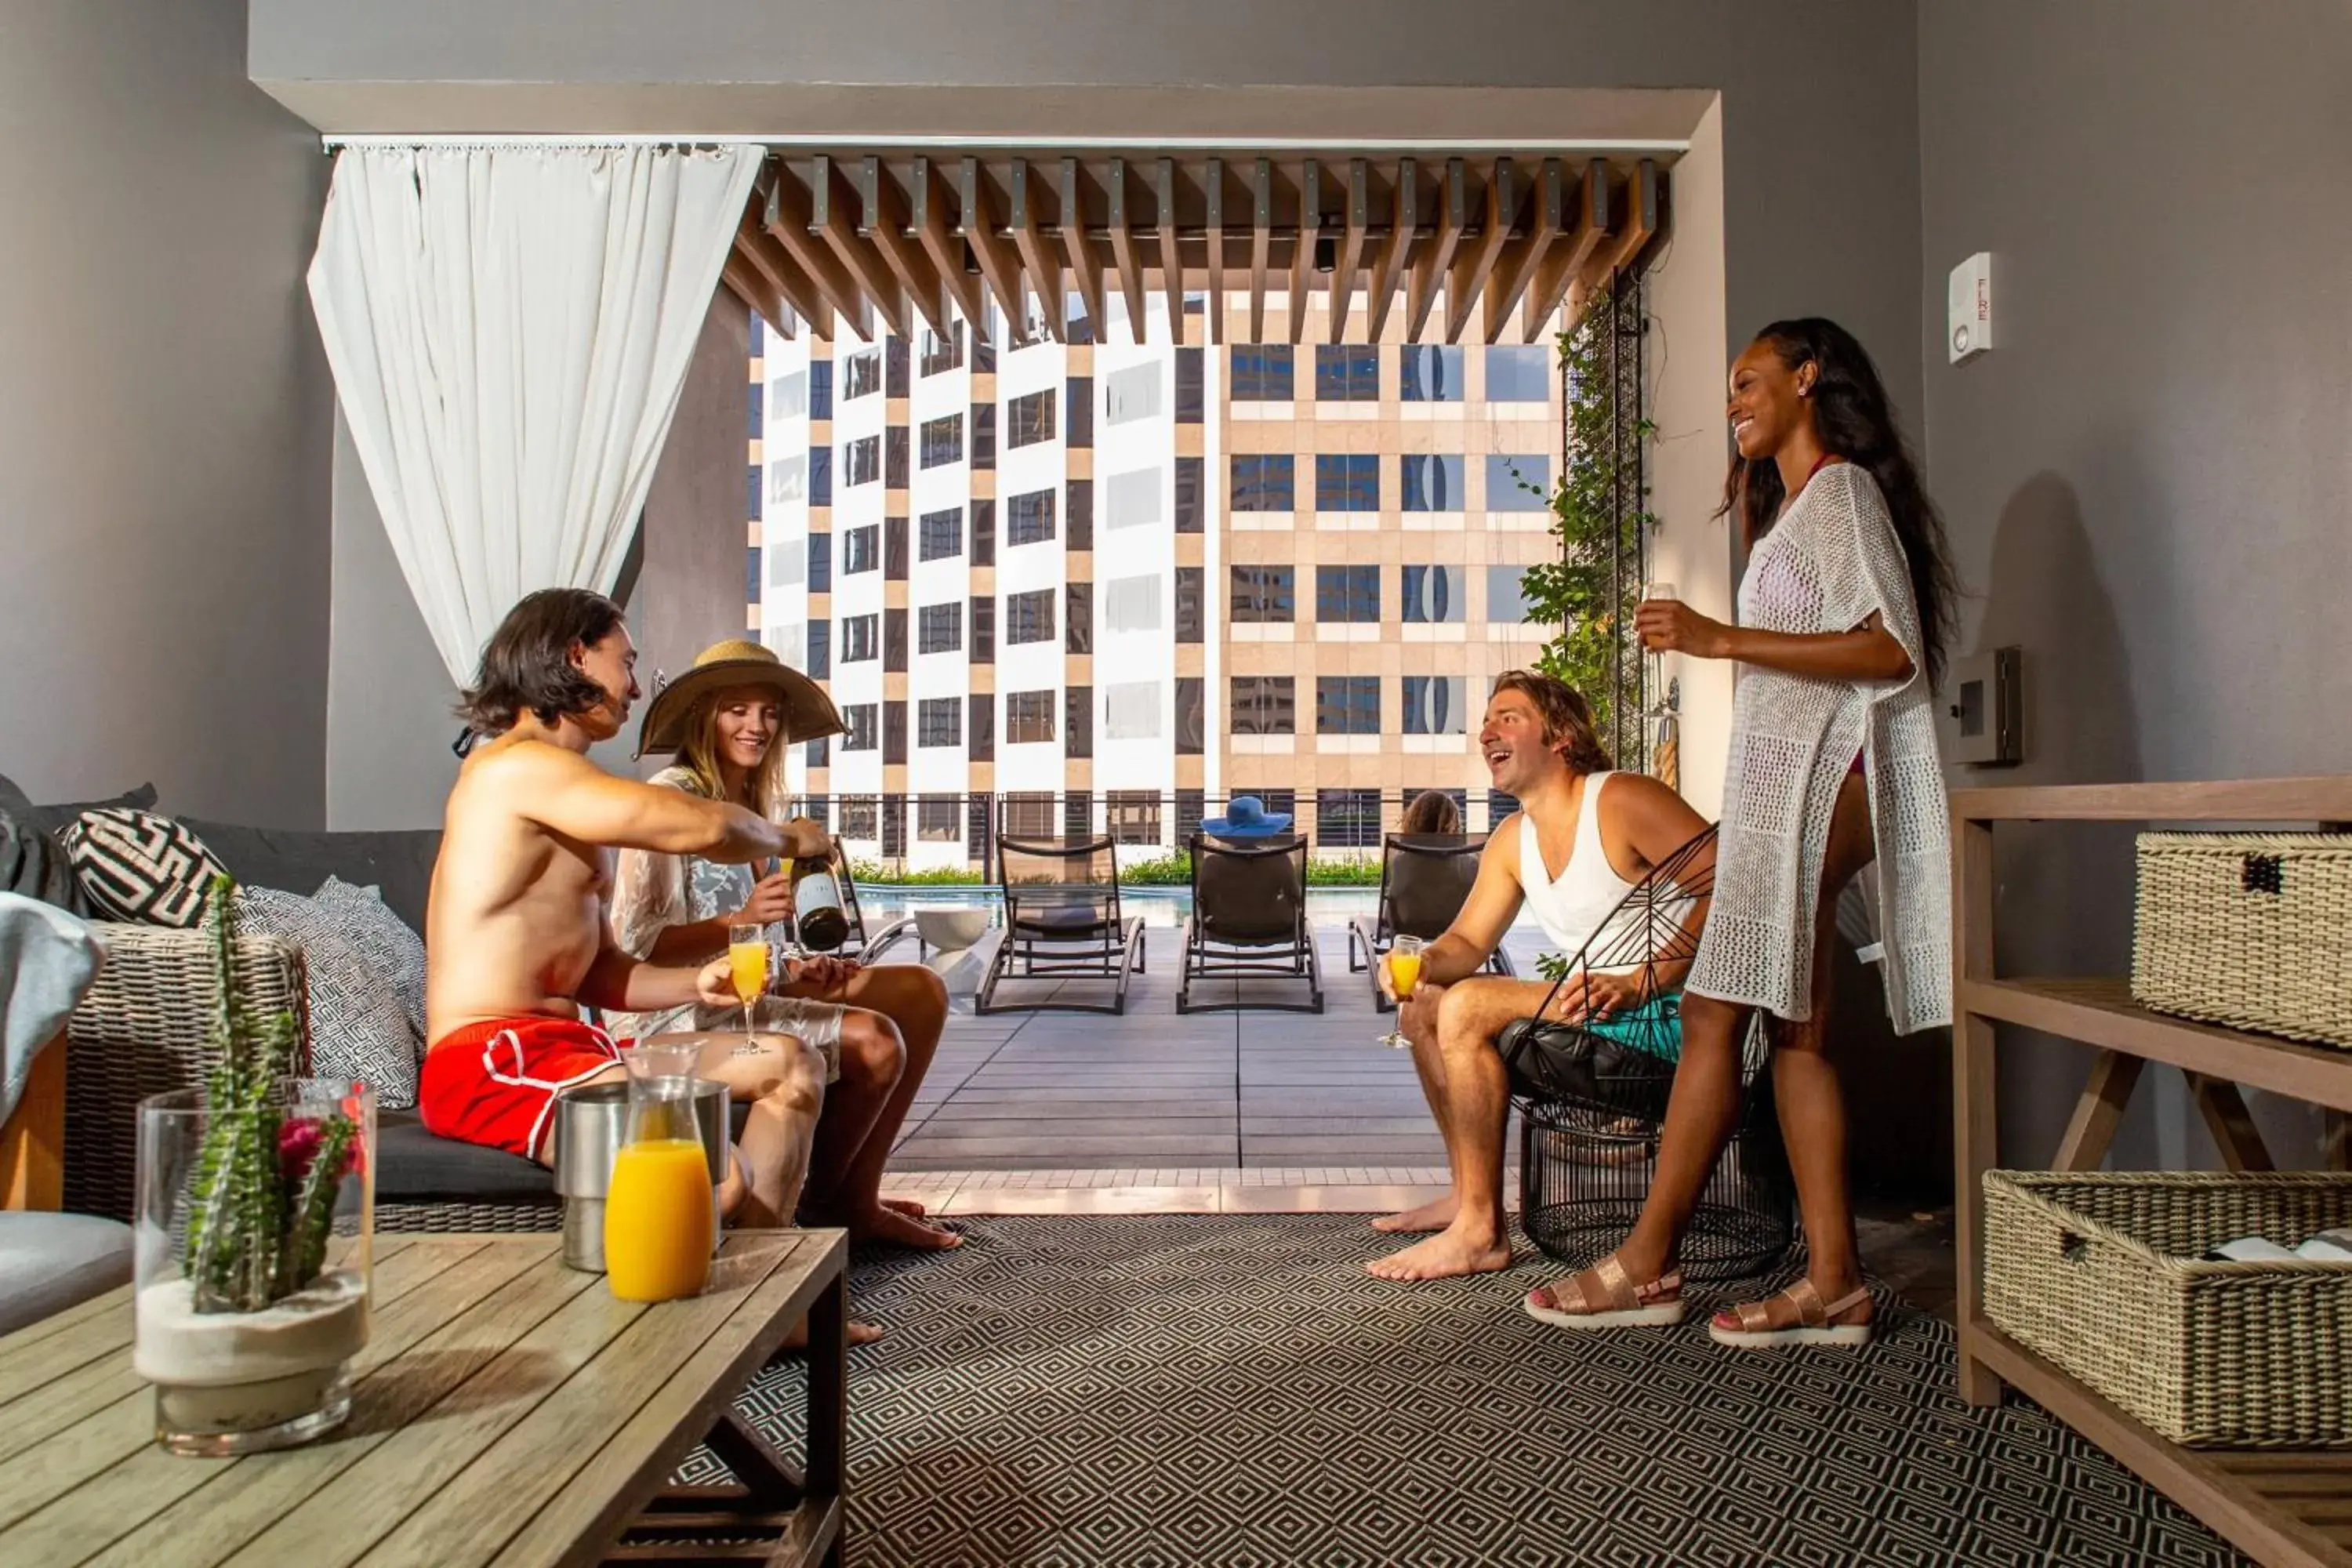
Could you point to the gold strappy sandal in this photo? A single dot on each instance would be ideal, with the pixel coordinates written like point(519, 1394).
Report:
point(1812, 1326)
point(1618, 1303)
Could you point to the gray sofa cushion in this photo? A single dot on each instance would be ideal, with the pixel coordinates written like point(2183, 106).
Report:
point(56, 819)
point(52, 1261)
point(412, 1165)
point(399, 863)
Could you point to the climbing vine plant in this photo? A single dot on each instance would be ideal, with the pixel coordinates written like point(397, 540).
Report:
point(1601, 520)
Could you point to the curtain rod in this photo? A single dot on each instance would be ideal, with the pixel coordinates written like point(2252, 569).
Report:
point(1587, 144)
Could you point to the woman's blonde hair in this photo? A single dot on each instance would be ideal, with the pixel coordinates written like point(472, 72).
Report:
point(699, 754)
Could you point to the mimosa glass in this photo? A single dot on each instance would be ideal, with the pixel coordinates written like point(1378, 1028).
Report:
point(1404, 958)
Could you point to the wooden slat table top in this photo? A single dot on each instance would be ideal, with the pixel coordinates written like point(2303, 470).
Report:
point(506, 1409)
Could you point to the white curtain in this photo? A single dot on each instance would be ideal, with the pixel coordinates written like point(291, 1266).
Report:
point(509, 329)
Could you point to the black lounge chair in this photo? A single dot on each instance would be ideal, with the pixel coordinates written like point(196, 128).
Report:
point(1249, 921)
point(1426, 877)
point(862, 943)
point(1061, 922)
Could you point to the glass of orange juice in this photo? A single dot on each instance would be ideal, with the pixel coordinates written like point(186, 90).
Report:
point(747, 952)
point(657, 1219)
point(1404, 958)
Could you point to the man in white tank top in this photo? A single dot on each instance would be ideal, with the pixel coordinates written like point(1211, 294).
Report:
point(1581, 838)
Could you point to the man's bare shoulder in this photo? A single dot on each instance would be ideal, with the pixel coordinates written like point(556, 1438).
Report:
point(521, 764)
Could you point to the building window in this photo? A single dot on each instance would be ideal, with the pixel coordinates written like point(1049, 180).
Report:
point(1132, 816)
point(1431, 483)
point(1133, 393)
point(861, 639)
point(863, 459)
point(1131, 710)
point(1433, 595)
point(1191, 716)
point(942, 534)
point(1265, 481)
point(942, 354)
point(751, 576)
point(1029, 420)
point(1029, 617)
point(894, 744)
point(983, 435)
point(1191, 805)
point(894, 457)
point(861, 550)
point(759, 334)
point(1347, 372)
point(1430, 372)
point(894, 548)
point(1191, 398)
point(979, 708)
point(939, 628)
point(1263, 705)
point(861, 815)
point(943, 441)
point(788, 480)
point(1029, 813)
point(983, 628)
point(1347, 593)
point(1131, 604)
point(1078, 619)
point(894, 366)
point(939, 818)
point(820, 649)
point(1078, 513)
point(1079, 727)
point(1346, 704)
point(1079, 424)
point(1189, 493)
point(751, 492)
point(817, 754)
point(939, 721)
point(864, 721)
point(1263, 593)
point(1433, 705)
point(820, 563)
point(1518, 374)
point(787, 566)
point(820, 393)
point(820, 476)
point(1260, 372)
point(759, 410)
point(1506, 600)
point(1028, 717)
point(861, 375)
point(788, 396)
point(1347, 819)
point(1520, 482)
point(983, 532)
point(1191, 613)
point(1346, 481)
point(1029, 519)
point(1132, 499)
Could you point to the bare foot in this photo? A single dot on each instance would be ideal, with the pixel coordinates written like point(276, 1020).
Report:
point(1434, 1216)
point(859, 1333)
point(906, 1206)
point(886, 1222)
point(1449, 1252)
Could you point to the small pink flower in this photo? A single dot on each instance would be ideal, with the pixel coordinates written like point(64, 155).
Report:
point(298, 1145)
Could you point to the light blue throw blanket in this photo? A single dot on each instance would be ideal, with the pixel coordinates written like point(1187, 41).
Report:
point(48, 960)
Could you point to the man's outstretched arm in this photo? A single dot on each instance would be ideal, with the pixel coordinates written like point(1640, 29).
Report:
point(571, 795)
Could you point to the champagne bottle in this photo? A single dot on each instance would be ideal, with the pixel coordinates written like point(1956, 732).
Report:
point(821, 923)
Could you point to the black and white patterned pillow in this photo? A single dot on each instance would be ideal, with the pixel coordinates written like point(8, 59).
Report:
point(358, 1027)
point(384, 940)
point(134, 866)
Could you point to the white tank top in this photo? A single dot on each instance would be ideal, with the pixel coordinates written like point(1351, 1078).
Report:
point(1573, 909)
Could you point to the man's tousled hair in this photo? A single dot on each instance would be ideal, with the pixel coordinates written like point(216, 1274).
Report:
point(527, 665)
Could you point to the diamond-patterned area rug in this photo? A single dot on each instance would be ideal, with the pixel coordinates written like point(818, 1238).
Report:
point(1232, 1389)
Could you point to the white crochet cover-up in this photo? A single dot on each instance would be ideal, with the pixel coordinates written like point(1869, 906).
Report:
point(1831, 562)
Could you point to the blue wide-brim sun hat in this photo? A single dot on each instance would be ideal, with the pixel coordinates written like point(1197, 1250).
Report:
point(1247, 817)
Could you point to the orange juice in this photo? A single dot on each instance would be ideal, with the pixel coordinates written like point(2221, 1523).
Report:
point(749, 961)
point(1404, 971)
point(657, 1220)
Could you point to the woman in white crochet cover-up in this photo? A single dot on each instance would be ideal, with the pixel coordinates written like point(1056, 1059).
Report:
point(1843, 616)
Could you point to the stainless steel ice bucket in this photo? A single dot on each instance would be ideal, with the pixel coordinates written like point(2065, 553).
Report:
point(590, 1123)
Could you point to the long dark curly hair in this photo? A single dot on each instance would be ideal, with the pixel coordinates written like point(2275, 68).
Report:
point(1855, 420)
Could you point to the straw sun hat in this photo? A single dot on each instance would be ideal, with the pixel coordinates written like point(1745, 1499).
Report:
point(808, 713)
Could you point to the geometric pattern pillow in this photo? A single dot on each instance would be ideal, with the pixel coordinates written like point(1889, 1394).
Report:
point(384, 940)
point(358, 1027)
point(136, 867)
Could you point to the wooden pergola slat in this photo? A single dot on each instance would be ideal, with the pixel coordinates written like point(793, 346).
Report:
point(1437, 256)
point(999, 265)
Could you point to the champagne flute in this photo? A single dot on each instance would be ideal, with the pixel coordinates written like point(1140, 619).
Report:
point(747, 952)
point(1404, 958)
point(1655, 674)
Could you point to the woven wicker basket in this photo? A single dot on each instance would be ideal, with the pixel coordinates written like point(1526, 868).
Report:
point(2099, 1274)
point(2252, 930)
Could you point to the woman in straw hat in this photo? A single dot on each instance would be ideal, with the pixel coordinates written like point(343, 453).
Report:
point(727, 723)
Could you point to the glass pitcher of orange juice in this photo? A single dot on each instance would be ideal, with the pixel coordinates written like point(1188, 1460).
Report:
point(658, 1214)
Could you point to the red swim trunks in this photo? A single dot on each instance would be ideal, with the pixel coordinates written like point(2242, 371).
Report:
point(494, 1083)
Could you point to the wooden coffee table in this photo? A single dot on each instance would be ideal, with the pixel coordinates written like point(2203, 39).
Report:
point(506, 1410)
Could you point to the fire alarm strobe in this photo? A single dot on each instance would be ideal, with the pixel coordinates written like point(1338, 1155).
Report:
point(1967, 326)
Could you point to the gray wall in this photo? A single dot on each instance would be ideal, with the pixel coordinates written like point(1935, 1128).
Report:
point(165, 420)
point(2149, 484)
point(389, 722)
point(1820, 122)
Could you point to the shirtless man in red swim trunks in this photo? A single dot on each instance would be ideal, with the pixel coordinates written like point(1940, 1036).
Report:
point(516, 938)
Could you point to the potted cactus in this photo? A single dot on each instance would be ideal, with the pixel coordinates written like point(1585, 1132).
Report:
point(254, 1226)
